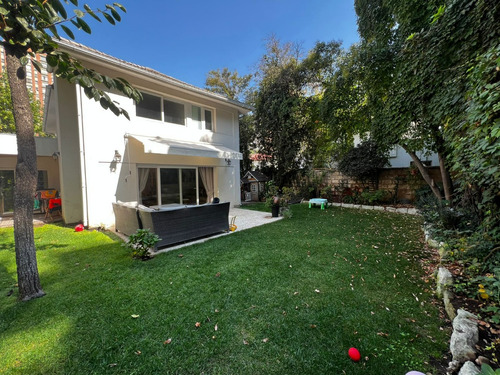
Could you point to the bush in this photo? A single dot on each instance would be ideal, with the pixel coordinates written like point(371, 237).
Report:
point(374, 197)
point(363, 162)
point(141, 242)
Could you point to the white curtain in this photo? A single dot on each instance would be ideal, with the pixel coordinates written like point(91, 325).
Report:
point(143, 178)
point(207, 177)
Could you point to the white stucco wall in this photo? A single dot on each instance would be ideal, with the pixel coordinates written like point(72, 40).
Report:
point(98, 181)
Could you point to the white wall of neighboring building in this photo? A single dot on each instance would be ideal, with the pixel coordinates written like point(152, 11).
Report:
point(399, 158)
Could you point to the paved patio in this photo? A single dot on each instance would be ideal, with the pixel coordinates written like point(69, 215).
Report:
point(7, 220)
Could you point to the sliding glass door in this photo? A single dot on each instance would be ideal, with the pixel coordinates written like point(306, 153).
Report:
point(161, 186)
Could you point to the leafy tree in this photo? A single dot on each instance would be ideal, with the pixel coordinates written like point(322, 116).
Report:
point(28, 27)
point(343, 106)
point(228, 84)
point(7, 124)
point(234, 87)
point(285, 115)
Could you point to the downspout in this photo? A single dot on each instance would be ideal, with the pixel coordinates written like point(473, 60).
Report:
point(83, 161)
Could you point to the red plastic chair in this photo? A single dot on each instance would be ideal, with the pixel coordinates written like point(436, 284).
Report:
point(54, 206)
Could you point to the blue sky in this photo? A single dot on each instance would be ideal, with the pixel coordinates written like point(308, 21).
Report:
point(186, 39)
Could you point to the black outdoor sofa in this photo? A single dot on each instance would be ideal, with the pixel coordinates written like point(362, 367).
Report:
point(173, 224)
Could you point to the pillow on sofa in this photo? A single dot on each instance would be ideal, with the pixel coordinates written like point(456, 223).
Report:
point(128, 204)
point(144, 208)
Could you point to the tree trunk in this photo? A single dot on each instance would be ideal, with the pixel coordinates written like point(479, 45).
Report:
point(25, 181)
point(445, 176)
point(425, 174)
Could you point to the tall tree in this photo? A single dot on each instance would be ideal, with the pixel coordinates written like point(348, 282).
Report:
point(285, 116)
point(229, 84)
point(28, 27)
point(416, 55)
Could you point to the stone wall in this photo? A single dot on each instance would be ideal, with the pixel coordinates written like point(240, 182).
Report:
point(406, 180)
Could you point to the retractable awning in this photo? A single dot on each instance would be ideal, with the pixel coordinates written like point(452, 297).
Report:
point(164, 146)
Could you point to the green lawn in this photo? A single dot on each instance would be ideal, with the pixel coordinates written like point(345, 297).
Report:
point(289, 297)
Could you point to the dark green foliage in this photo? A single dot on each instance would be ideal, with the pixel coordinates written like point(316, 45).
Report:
point(141, 242)
point(363, 162)
point(476, 141)
point(285, 111)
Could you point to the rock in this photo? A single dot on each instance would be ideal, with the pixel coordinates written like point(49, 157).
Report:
point(464, 337)
point(469, 368)
point(444, 281)
point(453, 367)
point(480, 360)
point(433, 243)
point(448, 306)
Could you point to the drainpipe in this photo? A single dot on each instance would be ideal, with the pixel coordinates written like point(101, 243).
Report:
point(83, 161)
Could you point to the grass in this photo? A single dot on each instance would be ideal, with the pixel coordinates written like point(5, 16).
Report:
point(289, 297)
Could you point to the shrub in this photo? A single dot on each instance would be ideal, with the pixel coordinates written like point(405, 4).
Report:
point(141, 242)
point(363, 162)
point(374, 197)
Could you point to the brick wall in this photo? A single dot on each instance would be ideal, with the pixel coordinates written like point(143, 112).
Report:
point(407, 180)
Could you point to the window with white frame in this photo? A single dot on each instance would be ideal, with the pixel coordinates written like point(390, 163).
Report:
point(201, 117)
point(157, 108)
point(173, 112)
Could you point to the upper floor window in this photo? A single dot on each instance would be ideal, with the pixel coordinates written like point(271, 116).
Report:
point(157, 108)
point(173, 112)
point(149, 107)
point(202, 117)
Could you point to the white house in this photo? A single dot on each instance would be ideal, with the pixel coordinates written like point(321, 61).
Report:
point(179, 147)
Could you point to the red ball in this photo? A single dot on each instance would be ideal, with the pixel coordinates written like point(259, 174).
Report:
point(354, 354)
point(79, 228)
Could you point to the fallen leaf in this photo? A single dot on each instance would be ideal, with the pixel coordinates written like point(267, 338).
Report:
point(138, 352)
point(313, 326)
point(245, 342)
point(295, 293)
point(217, 274)
point(167, 341)
point(112, 364)
point(180, 255)
point(265, 340)
point(135, 316)
point(375, 247)
point(317, 290)
point(383, 334)
point(216, 327)
point(197, 324)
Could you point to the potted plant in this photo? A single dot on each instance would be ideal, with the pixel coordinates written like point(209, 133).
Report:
point(141, 242)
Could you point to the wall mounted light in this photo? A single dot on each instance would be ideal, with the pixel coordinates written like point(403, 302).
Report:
point(117, 158)
point(56, 155)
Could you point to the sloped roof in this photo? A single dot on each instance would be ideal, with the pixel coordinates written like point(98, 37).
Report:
point(258, 176)
point(77, 48)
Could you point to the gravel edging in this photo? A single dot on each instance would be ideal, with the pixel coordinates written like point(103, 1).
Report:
point(399, 210)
